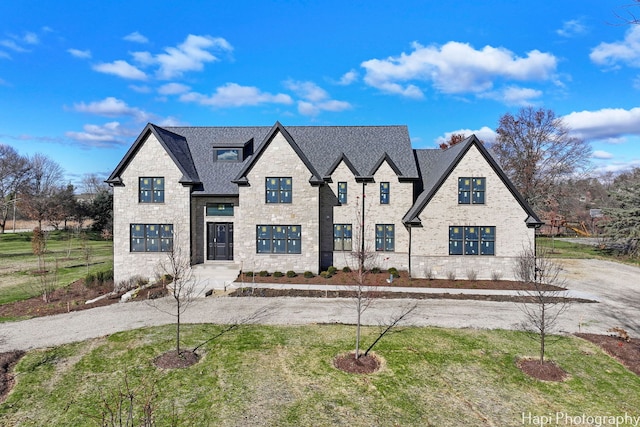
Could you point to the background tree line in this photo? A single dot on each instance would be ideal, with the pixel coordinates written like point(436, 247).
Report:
point(34, 188)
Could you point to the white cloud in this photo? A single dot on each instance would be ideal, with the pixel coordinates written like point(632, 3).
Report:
point(11, 44)
point(572, 28)
point(109, 134)
point(314, 98)
point(234, 95)
point(111, 107)
point(485, 134)
point(607, 123)
point(31, 38)
point(348, 78)
point(190, 55)
point(626, 51)
point(173, 89)
point(456, 68)
point(80, 53)
point(514, 95)
point(603, 155)
point(122, 69)
point(140, 88)
point(136, 37)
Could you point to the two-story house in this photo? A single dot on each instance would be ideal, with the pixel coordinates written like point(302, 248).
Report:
point(304, 198)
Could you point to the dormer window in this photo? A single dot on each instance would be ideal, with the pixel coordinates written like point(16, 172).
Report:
point(227, 155)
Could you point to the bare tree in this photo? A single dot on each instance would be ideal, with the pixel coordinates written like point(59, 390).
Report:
point(543, 302)
point(14, 171)
point(44, 181)
point(537, 151)
point(182, 285)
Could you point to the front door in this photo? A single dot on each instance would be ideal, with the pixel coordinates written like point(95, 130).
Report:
point(220, 240)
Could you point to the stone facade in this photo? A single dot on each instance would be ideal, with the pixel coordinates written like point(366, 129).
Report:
point(430, 243)
point(278, 160)
point(151, 160)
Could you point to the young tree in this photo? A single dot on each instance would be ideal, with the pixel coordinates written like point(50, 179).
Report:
point(543, 302)
point(183, 286)
point(14, 172)
point(537, 151)
point(101, 211)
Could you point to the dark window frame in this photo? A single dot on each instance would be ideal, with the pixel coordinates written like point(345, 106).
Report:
point(144, 238)
point(153, 192)
point(385, 237)
point(343, 237)
point(342, 192)
point(279, 239)
point(472, 190)
point(472, 240)
point(214, 209)
point(278, 189)
point(385, 193)
point(218, 158)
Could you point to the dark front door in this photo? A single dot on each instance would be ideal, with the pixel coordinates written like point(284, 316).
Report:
point(220, 240)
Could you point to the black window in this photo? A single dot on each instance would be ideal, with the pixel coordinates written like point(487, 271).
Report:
point(471, 190)
point(226, 155)
point(342, 192)
point(278, 190)
point(384, 193)
point(278, 239)
point(471, 240)
point(385, 237)
point(151, 237)
point(342, 237)
point(151, 190)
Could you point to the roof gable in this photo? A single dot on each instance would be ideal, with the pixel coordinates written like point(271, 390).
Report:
point(341, 158)
point(241, 179)
point(175, 145)
point(438, 167)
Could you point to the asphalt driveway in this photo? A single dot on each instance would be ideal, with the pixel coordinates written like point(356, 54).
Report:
point(616, 286)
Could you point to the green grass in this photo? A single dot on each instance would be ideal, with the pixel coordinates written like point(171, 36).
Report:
point(18, 264)
point(283, 376)
point(568, 250)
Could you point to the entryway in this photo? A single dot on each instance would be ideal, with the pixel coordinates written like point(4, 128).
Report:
point(219, 241)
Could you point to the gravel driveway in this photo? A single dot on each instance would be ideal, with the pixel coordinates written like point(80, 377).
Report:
point(616, 286)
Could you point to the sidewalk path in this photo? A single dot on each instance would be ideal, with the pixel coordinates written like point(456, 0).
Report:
point(616, 286)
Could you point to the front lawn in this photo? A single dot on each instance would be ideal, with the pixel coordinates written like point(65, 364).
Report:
point(284, 376)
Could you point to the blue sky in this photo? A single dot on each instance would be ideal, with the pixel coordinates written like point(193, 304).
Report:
point(80, 79)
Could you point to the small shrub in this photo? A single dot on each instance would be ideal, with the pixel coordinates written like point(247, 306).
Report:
point(278, 274)
point(375, 270)
point(394, 272)
point(332, 270)
point(325, 274)
point(346, 269)
point(308, 275)
point(451, 275)
point(428, 273)
point(248, 273)
point(291, 273)
point(263, 273)
point(89, 280)
point(472, 274)
point(496, 275)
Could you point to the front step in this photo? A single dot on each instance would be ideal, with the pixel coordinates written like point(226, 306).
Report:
point(211, 276)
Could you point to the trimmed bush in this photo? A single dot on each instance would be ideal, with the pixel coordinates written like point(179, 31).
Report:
point(325, 274)
point(308, 275)
point(248, 273)
point(375, 270)
point(278, 274)
point(394, 271)
point(263, 273)
point(332, 270)
point(291, 273)
point(346, 269)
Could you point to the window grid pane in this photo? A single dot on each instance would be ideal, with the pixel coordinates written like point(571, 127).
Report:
point(384, 193)
point(151, 190)
point(342, 192)
point(472, 240)
point(151, 237)
point(278, 190)
point(278, 239)
point(385, 237)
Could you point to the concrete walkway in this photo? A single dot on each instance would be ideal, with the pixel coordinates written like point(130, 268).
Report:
point(615, 286)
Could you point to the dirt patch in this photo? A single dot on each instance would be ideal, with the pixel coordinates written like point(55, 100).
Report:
point(66, 299)
point(626, 352)
point(341, 278)
point(174, 360)
point(7, 362)
point(362, 365)
point(545, 371)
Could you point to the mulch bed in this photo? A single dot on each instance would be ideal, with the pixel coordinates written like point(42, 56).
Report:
point(626, 352)
point(545, 371)
point(341, 278)
point(7, 361)
point(174, 360)
point(362, 365)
